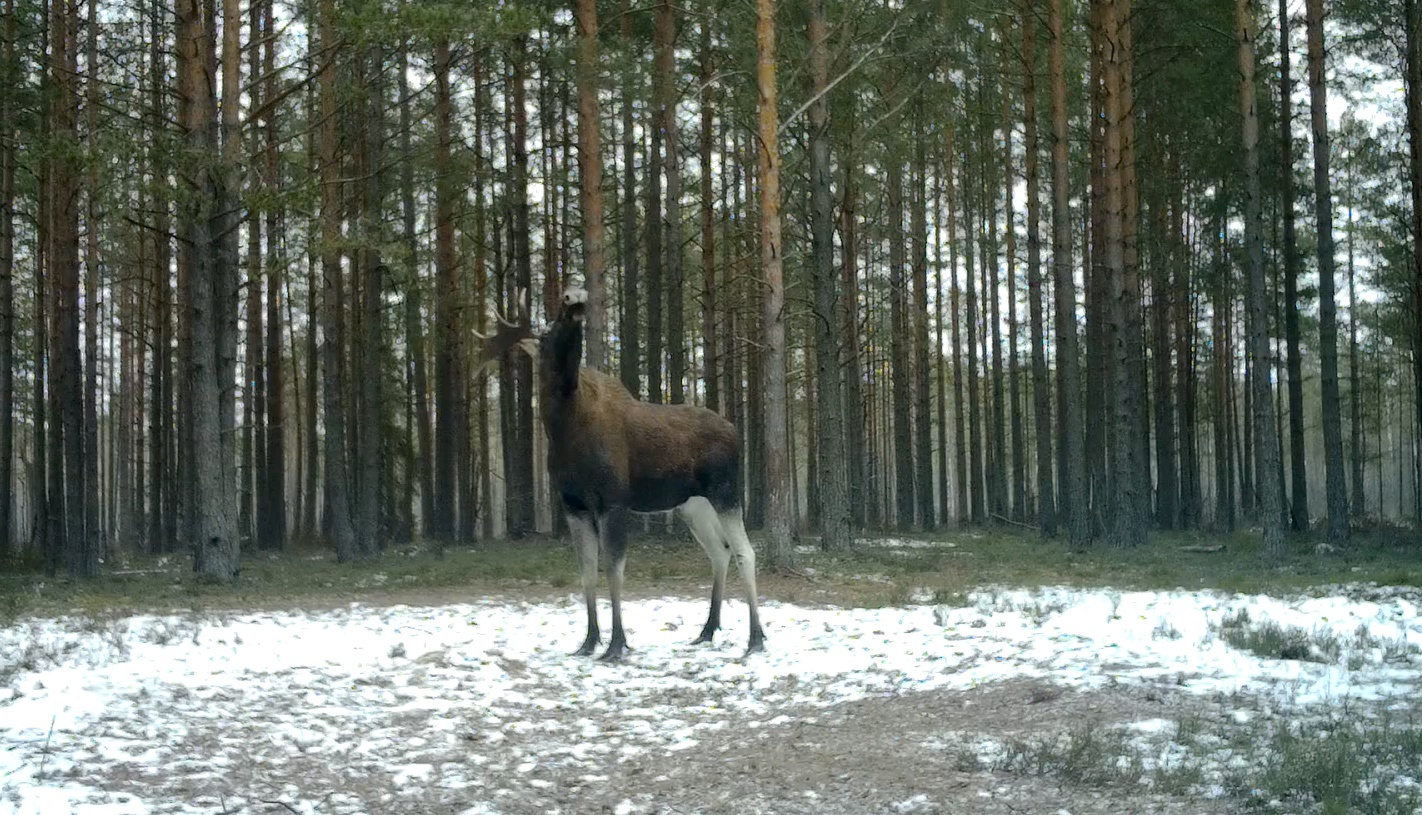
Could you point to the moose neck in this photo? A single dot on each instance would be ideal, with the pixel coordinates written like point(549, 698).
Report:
point(560, 378)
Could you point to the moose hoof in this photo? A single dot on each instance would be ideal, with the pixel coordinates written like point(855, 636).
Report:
point(615, 653)
point(575, 297)
point(588, 647)
point(705, 638)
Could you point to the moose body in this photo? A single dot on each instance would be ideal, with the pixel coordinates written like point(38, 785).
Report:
point(610, 455)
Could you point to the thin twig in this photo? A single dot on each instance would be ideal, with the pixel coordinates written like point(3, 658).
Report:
point(288, 807)
point(995, 516)
point(44, 754)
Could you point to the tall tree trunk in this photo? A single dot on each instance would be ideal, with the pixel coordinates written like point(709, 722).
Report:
point(1185, 321)
point(254, 399)
point(1162, 305)
point(1327, 308)
point(661, 103)
point(226, 283)
point(900, 339)
point(1041, 389)
point(272, 517)
point(855, 419)
point(1358, 501)
point(447, 350)
point(215, 543)
point(1099, 365)
point(940, 358)
point(629, 326)
point(520, 481)
point(1413, 85)
point(93, 528)
point(666, 72)
point(1073, 452)
point(834, 492)
point(960, 439)
point(1222, 360)
point(371, 140)
point(414, 322)
point(9, 143)
point(1266, 445)
point(992, 315)
point(162, 527)
point(69, 473)
point(1019, 460)
point(1298, 491)
point(777, 464)
point(710, 359)
point(337, 475)
point(975, 437)
point(483, 136)
point(590, 180)
point(1128, 527)
point(923, 422)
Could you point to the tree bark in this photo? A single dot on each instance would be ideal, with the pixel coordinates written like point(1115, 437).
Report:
point(661, 102)
point(448, 419)
point(777, 464)
point(1128, 523)
point(1266, 446)
point(923, 422)
point(9, 143)
point(69, 473)
point(272, 510)
point(1413, 85)
point(1357, 500)
point(590, 183)
point(960, 439)
point(162, 526)
point(855, 419)
point(1073, 453)
point(975, 449)
point(215, 542)
point(520, 481)
point(370, 531)
point(1298, 491)
point(1041, 389)
point(900, 339)
point(93, 528)
point(1327, 309)
point(337, 474)
point(835, 531)
point(666, 72)
point(414, 321)
point(710, 359)
point(254, 401)
point(629, 327)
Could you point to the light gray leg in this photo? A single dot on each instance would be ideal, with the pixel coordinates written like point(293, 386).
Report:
point(700, 518)
point(612, 526)
point(585, 538)
point(735, 533)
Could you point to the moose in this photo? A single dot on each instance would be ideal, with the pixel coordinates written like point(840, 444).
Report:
point(611, 455)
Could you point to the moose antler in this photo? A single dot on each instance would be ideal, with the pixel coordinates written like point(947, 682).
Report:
point(508, 334)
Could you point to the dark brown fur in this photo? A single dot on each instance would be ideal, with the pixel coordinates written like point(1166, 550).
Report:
point(610, 455)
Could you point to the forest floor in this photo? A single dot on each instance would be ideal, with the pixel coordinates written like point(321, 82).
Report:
point(957, 673)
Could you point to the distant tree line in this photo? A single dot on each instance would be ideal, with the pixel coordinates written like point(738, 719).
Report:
point(1092, 268)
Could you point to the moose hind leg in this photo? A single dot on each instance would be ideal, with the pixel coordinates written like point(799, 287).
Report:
point(735, 530)
point(585, 538)
point(700, 518)
point(613, 527)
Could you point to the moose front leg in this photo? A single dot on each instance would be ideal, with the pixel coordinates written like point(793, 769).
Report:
point(612, 526)
point(585, 537)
